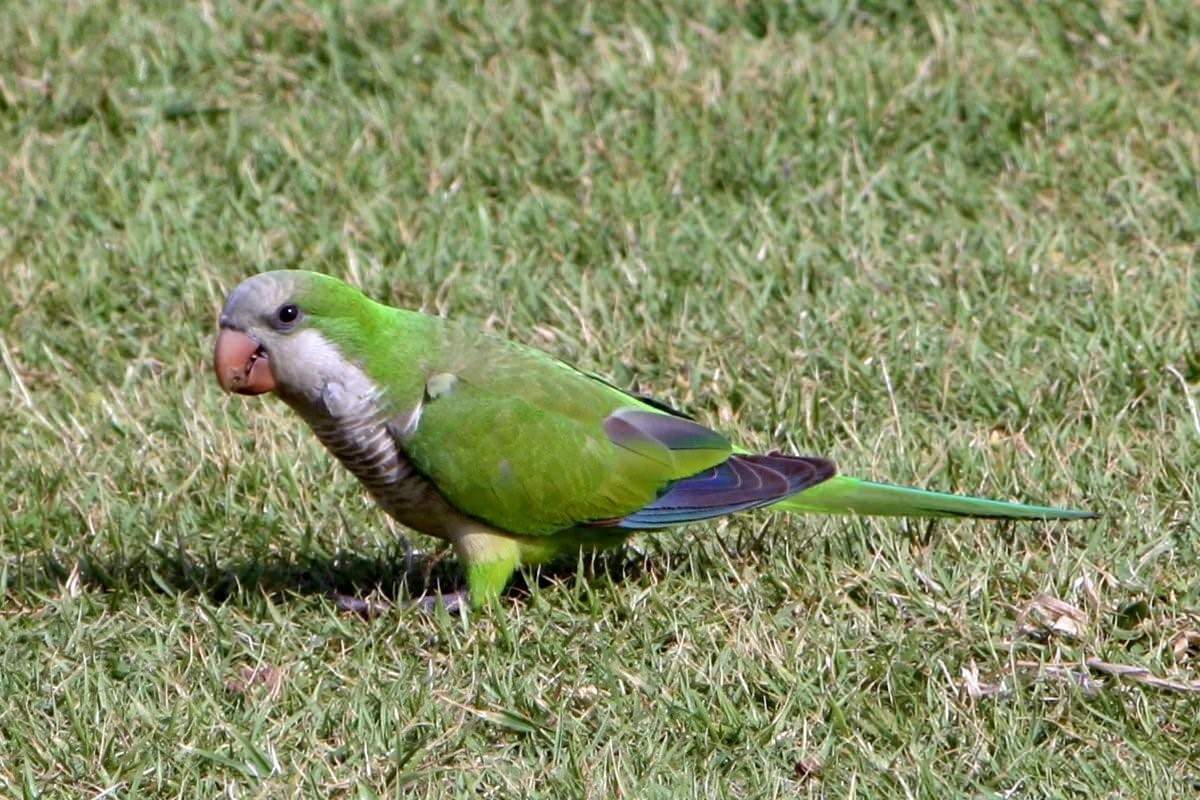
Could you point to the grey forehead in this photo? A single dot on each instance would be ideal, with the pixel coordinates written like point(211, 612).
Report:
point(254, 297)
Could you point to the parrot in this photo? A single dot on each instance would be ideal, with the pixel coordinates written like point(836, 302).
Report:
point(512, 456)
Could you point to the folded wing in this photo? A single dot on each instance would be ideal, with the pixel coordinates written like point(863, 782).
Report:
point(740, 482)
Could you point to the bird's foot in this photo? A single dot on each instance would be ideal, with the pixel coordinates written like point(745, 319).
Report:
point(367, 609)
point(453, 602)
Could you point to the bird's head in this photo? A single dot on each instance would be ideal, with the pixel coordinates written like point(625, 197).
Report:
point(273, 333)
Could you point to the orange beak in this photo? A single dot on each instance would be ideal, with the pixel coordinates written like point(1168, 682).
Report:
point(241, 364)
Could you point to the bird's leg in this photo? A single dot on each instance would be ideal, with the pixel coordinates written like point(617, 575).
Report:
point(489, 559)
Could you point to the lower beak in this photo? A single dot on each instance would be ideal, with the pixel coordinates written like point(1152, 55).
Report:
point(241, 364)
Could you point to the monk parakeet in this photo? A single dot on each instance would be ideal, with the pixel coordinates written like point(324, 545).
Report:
point(509, 454)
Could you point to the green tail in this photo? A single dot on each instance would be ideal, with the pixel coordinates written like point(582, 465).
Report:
point(841, 495)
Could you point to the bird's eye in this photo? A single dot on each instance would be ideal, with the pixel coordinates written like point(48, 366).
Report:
point(287, 313)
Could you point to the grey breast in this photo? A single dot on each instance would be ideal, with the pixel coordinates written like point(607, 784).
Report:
point(354, 427)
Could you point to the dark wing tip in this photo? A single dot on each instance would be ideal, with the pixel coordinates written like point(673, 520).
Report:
point(739, 483)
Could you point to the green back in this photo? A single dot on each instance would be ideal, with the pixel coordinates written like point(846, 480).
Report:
point(507, 433)
point(518, 440)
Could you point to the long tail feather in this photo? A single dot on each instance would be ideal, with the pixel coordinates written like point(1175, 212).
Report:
point(842, 494)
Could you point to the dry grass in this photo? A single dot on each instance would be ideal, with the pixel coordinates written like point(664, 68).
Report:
point(953, 246)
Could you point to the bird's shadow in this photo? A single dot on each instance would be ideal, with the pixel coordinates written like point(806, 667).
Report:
point(394, 576)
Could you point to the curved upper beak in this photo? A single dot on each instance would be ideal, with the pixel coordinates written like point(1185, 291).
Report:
point(241, 364)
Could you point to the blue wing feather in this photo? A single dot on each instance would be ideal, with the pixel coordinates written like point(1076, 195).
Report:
point(741, 482)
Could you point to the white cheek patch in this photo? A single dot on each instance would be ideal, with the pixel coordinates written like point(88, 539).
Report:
point(314, 370)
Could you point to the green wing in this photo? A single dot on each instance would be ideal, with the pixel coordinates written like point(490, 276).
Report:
point(528, 444)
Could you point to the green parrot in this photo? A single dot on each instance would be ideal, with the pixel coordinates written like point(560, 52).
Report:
point(510, 455)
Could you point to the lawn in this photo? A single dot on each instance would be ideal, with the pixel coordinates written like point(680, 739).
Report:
point(948, 245)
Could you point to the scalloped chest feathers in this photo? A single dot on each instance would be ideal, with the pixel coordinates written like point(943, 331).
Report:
point(352, 424)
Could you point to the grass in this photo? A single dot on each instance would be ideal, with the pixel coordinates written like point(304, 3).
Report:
point(949, 245)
